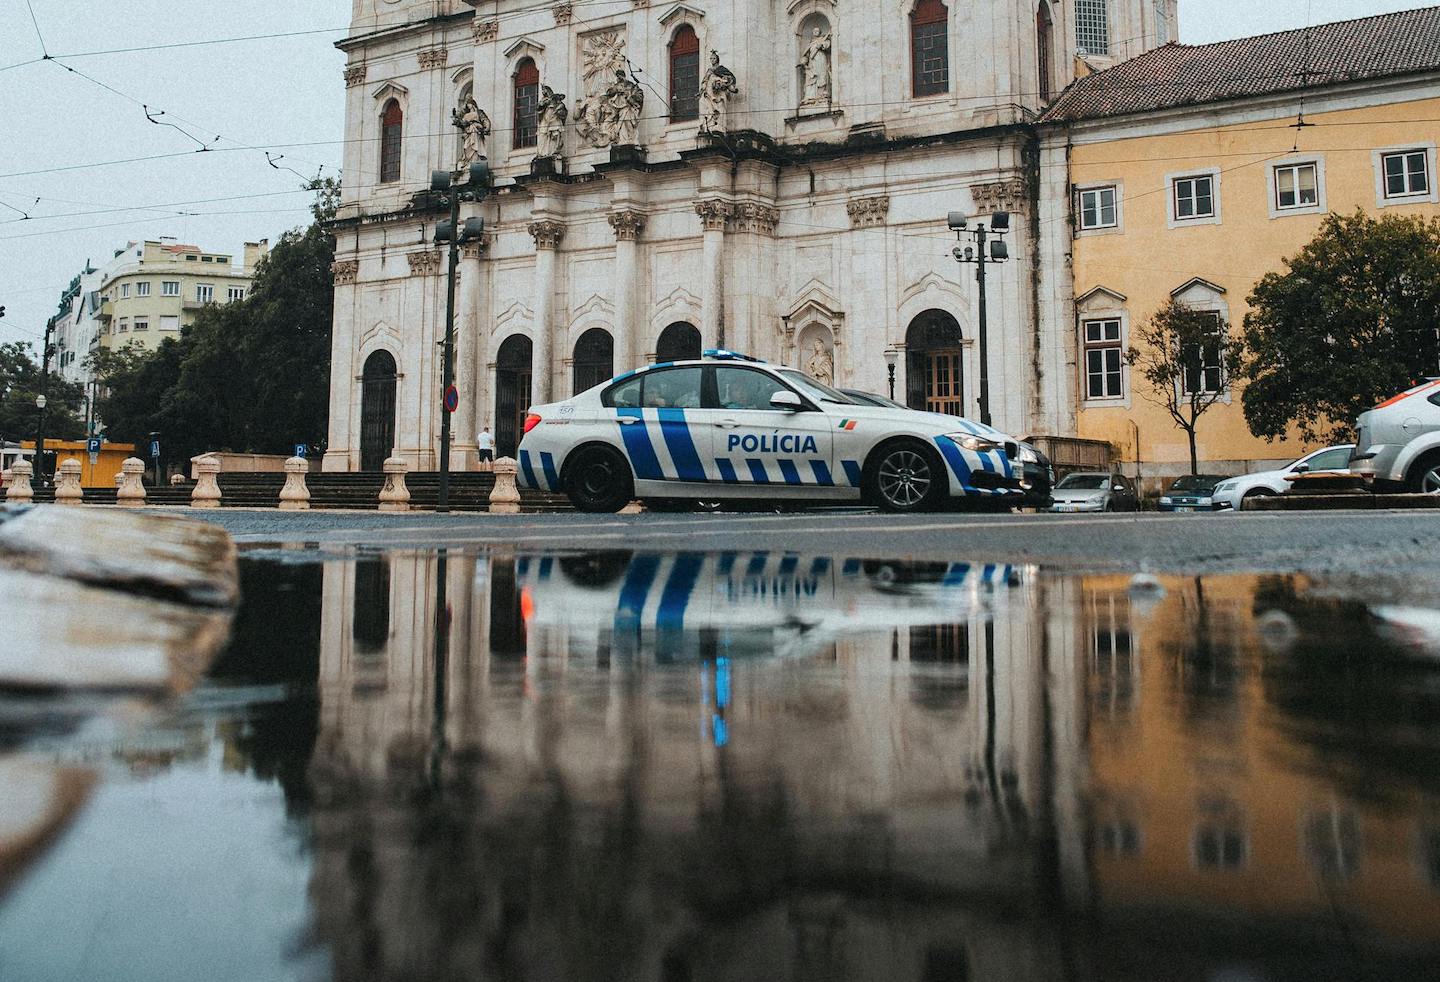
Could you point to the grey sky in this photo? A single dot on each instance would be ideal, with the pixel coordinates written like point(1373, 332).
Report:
point(281, 94)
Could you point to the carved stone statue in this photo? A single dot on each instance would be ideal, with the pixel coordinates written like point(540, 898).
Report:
point(552, 115)
point(820, 365)
point(623, 101)
point(716, 88)
point(476, 125)
point(816, 62)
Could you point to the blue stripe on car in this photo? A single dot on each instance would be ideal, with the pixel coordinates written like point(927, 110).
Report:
point(527, 468)
point(757, 471)
point(678, 588)
point(638, 448)
point(822, 474)
point(636, 590)
point(547, 464)
point(727, 471)
point(787, 467)
point(852, 472)
point(682, 448)
point(950, 450)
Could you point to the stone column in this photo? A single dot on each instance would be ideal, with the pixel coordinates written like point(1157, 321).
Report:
point(714, 214)
point(344, 390)
point(629, 326)
point(469, 342)
point(754, 223)
point(547, 235)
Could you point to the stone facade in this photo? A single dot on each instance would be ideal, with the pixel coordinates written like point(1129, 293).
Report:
point(806, 221)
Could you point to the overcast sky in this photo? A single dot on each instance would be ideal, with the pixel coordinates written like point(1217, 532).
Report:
point(281, 94)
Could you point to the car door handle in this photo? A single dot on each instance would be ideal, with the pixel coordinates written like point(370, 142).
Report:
point(630, 420)
point(728, 424)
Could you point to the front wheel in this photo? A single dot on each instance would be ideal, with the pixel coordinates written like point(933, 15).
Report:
point(599, 480)
point(906, 477)
point(1425, 475)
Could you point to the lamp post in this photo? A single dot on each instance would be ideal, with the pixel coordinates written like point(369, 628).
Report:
point(476, 186)
point(891, 355)
point(40, 401)
point(998, 252)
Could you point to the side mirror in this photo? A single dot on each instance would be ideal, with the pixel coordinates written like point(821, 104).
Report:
point(1302, 469)
point(1118, 487)
point(786, 400)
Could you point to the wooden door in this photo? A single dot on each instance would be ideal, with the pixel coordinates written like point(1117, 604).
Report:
point(944, 383)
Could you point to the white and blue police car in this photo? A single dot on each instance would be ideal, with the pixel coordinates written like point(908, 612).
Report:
point(729, 427)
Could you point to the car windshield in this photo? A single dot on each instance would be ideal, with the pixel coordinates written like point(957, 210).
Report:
point(816, 390)
point(1083, 482)
point(1196, 482)
point(871, 399)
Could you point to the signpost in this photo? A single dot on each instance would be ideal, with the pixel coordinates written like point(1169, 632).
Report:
point(300, 450)
point(92, 447)
point(452, 399)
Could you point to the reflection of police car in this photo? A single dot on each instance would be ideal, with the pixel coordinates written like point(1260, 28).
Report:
point(694, 605)
point(730, 427)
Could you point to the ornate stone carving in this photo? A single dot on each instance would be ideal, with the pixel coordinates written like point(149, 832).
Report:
point(611, 101)
point(345, 271)
point(552, 114)
point(640, 4)
point(716, 88)
point(816, 63)
point(472, 119)
point(751, 217)
point(485, 31)
point(714, 213)
point(434, 58)
point(821, 363)
point(995, 196)
point(627, 225)
point(424, 263)
point(564, 12)
point(476, 249)
point(355, 75)
point(868, 212)
point(546, 233)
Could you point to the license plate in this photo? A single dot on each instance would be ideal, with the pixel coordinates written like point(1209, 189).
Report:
point(1184, 508)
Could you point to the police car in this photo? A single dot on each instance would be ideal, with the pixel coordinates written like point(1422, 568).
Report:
point(730, 427)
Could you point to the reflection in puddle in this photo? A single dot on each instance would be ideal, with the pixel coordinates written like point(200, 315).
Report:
point(761, 765)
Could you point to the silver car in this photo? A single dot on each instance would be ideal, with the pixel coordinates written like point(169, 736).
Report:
point(1094, 491)
point(1399, 440)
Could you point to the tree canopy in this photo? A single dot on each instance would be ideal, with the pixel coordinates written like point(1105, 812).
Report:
point(1351, 321)
point(20, 384)
point(250, 376)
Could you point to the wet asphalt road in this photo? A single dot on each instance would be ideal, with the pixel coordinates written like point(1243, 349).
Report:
point(1405, 543)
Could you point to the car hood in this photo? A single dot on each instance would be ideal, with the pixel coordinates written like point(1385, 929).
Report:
point(942, 422)
point(1077, 495)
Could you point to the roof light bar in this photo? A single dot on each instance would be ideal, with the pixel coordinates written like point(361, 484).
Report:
point(721, 354)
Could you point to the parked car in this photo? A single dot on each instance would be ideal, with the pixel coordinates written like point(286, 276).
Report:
point(1037, 471)
point(1398, 442)
point(729, 427)
point(1193, 492)
point(1229, 494)
point(1095, 491)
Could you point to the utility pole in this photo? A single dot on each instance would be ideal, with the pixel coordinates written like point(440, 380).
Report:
point(40, 401)
point(476, 186)
point(977, 254)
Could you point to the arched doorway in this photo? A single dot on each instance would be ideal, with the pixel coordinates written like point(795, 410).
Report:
point(512, 393)
point(377, 410)
point(678, 342)
point(594, 359)
point(934, 380)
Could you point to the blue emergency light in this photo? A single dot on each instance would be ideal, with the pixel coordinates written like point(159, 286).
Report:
point(720, 354)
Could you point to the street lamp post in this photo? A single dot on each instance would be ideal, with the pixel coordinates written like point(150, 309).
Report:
point(891, 355)
point(40, 401)
point(476, 186)
point(998, 252)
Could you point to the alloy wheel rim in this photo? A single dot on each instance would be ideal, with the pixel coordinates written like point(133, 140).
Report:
point(905, 478)
point(1430, 482)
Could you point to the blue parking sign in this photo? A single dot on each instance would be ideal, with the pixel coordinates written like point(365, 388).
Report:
point(299, 449)
point(92, 445)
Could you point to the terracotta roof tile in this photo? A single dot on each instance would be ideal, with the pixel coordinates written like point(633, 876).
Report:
point(1182, 75)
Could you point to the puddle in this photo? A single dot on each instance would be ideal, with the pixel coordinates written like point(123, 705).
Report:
point(735, 765)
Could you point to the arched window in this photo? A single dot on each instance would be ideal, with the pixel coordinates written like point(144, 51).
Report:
point(392, 126)
point(1044, 37)
point(594, 358)
point(684, 75)
point(930, 48)
point(678, 342)
point(527, 103)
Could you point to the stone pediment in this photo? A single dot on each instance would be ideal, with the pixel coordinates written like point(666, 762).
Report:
point(818, 301)
point(795, 5)
point(933, 281)
point(1197, 285)
point(523, 45)
point(389, 90)
point(681, 11)
point(463, 75)
point(517, 311)
point(595, 305)
point(1100, 298)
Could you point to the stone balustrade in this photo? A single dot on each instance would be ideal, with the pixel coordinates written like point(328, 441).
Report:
point(295, 496)
point(395, 496)
point(207, 487)
point(67, 488)
point(131, 492)
point(19, 490)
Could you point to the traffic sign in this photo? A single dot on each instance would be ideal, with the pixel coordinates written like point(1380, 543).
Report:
point(299, 449)
point(452, 399)
point(155, 449)
point(93, 444)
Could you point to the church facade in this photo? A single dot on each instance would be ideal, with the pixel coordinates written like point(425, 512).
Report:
point(771, 176)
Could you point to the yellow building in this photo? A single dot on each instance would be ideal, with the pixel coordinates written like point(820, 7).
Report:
point(164, 284)
point(1187, 176)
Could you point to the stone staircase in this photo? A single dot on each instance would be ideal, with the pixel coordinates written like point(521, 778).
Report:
point(469, 491)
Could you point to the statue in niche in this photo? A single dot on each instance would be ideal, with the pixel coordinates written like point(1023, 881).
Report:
point(816, 63)
point(716, 88)
point(621, 106)
point(552, 115)
point(820, 365)
point(471, 119)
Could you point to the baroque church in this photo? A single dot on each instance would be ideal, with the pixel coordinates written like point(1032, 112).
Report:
point(770, 176)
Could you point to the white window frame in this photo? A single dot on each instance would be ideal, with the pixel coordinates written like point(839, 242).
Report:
point(1101, 317)
point(1118, 188)
point(123, 327)
point(142, 288)
point(1272, 186)
point(1171, 209)
point(204, 293)
point(1224, 389)
point(165, 286)
point(142, 324)
point(234, 293)
point(174, 322)
point(124, 291)
point(1430, 197)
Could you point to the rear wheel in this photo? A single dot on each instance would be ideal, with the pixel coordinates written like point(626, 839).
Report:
point(598, 480)
point(1425, 475)
point(906, 477)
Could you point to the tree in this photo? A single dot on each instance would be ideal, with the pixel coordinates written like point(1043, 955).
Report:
point(1185, 355)
point(20, 384)
point(1351, 321)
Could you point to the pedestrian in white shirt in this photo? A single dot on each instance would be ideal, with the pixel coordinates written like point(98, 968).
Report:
point(486, 444)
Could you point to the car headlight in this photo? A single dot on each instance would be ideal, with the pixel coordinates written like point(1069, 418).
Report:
point(1226, 486)
point(1165, 500)
point(975, 444)
point(1028, 456)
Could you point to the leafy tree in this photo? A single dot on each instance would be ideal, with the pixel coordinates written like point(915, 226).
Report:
point(1351, 321)
point(20, 384)
point(1184, 355)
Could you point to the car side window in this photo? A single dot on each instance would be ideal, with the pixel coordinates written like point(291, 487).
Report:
point(626, 395)
point(1329, 460)
point(672, 388)
point(745, 388)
